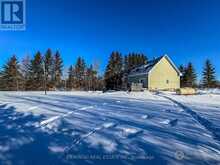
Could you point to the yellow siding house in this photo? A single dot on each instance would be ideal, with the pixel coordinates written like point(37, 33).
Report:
point(158, 74)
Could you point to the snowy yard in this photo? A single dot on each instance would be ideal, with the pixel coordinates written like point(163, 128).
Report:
point(121, 128)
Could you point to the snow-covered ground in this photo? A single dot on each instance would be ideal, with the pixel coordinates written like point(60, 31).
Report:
point(118, 127)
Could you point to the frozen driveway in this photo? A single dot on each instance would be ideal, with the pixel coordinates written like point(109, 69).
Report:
point(97, 128)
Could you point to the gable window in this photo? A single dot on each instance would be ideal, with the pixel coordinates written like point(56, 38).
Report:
point(167, 81)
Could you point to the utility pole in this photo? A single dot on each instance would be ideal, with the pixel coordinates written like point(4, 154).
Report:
point(45, 79)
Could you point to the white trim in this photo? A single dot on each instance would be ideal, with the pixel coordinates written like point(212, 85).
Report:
point(173, 64)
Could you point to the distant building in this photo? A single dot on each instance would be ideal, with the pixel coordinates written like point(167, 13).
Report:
point(158, 74)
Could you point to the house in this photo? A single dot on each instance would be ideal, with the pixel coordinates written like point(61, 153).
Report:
point(158, 74)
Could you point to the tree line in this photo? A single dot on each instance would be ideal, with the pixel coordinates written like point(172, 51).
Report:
point(81, 77)
point(46, 71)
point(189, 77)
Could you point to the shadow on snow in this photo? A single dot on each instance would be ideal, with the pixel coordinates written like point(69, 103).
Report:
point(21, 142)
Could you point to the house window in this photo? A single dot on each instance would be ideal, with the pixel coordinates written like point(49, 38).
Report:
point(167, 81)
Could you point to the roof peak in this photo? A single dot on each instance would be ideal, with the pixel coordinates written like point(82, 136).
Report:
point(150, 64)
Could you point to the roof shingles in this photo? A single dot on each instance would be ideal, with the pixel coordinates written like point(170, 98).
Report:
point(144, 69)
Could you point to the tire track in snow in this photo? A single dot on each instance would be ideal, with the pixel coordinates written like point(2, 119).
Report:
point(201, 120)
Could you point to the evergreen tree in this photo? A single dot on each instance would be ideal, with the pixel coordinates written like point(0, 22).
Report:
point(80, 70)
point(125, 73)
point(217, 84)
point(113, 73)
point(182, 69)
point(48, 64)
point(143, 59)
point(70, 81)
point(36, 73)
point(209, 80)
point(1, 81)
point(11, 76)
point(58, 67)
point(135, 60)
point(100, 83)
point(91, 78)
point(125, 68)
point(190, 76)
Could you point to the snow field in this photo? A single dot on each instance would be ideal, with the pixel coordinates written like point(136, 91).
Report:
point(92, 123)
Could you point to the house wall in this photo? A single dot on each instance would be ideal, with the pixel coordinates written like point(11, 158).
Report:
point(163, 76)
point(138, 78)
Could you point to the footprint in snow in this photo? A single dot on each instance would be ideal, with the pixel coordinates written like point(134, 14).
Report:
point(166, 122)
point(109, 125)
point(145, 117)
point(168, 110)
point(131, 132)
point(177, 110)
point(180, 110)
point(172, 123)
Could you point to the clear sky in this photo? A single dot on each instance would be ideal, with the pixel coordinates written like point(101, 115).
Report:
point(186, 30)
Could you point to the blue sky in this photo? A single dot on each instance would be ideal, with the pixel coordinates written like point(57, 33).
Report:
point(186, 30)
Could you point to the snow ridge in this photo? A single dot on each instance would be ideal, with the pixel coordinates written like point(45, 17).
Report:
point(52, 119)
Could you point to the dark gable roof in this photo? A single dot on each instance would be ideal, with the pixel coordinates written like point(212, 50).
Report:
point(145, 69)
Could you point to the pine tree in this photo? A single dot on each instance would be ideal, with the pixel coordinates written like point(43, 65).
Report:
point(48, 64)
point(143, 59)
point(11, 76)
point(58, 67)
point(125, 68)
point(182, 69)
point(1, 81)
point(36, 79)
point(80, 70)
point(209, 79)
point(190, 76)
point(113, 73)
point(135, 60)
point(70, 80)
point(125, 73)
